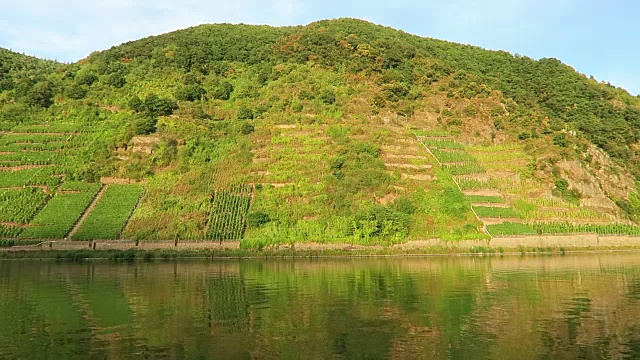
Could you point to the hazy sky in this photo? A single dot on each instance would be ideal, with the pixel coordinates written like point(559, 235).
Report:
point(598, 38)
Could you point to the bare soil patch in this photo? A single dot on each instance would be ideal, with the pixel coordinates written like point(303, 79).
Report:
point(22, 167)
point(419, 177)
point(495, 205)
point(483, 192)
point(114, 180)
point(387, 199)
point(408, 166)
point(494, 221)
point(404, 156)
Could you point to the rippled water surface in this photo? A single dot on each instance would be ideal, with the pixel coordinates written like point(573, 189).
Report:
point(562, 307)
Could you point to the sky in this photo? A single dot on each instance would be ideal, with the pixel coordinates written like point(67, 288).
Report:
point(598, 38)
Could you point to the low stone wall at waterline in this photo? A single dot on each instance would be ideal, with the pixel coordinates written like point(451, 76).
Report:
point(505, 242)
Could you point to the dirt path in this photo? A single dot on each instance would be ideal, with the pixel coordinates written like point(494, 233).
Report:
point(88, 211)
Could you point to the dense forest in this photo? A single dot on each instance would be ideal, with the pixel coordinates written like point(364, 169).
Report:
point(338, 131)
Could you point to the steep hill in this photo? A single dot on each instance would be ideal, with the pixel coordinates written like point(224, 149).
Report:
point(340, 130)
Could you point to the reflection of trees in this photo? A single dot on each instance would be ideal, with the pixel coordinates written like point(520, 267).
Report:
point(408, 308)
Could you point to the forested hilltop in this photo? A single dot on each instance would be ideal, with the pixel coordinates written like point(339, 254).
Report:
point(338, 131)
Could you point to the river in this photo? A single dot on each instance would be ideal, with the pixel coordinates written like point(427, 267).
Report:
point(532, 307)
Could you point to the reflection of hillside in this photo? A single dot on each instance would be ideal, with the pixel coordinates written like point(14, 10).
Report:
point(421, 307)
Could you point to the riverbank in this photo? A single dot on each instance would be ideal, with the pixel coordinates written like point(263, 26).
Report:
point(130, 251)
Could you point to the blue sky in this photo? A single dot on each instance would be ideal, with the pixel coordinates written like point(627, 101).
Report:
point(597, 38)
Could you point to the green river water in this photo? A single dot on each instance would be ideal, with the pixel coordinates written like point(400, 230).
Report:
point(533, 307)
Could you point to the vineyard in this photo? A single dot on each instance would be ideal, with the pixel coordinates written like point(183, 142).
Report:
point(107, 220)
point(507, 229)
point(37, 202)
point(479, 171)
point(62, 212)
point(229, 211)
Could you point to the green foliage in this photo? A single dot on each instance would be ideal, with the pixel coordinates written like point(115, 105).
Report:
point(560, 228)
point(19, 205)
point(382, 222)
point(247, 128)
point(76, 92)
point(327, 96)
point(190, 92)
point(257, 219)
point(223, 91)
point(244, 113)
point(41, 94)
point(117, 80)
point(111, 214)
point(560, 140)
point(61, 213)
point(153, 105)
point(86, 78)
point(144, 125)
point(562, 190)
point(229, 214)
point(300, 75)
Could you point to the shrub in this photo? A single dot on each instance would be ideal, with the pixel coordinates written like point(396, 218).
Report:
point(245, 113)
point(257, 219)
point(327, 97)
point(247, 129)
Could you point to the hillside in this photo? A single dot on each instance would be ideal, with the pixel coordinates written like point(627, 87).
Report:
point(338, 131)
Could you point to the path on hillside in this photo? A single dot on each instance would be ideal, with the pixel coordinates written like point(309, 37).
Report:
point(88, 211)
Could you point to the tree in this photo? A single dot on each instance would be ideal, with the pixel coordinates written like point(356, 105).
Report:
point(116, 80)
point(190, 93)
point(223, 91)
point(76, 92)
point(144, 125)
point(41, 94)
point(86, 78)
point(153, 106)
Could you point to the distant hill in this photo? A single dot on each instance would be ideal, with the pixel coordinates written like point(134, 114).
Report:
point(338, 131)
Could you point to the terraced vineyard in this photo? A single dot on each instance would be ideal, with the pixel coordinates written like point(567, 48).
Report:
point(62, 212)
point(35, 200)
point(490, 177)
point(111, 213)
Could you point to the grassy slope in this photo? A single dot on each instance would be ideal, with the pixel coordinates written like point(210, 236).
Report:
point(335, 107)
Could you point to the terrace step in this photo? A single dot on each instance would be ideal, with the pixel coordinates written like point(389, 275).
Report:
point(495, 221)
point(419, 177)
point(408, 166)
point(482, 192)
point(489, 204)
point(404, 156)
point(22, 167)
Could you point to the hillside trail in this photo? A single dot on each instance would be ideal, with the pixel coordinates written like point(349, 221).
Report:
point(88, 211)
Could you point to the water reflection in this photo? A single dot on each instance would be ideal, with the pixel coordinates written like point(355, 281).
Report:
point(582, 306)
